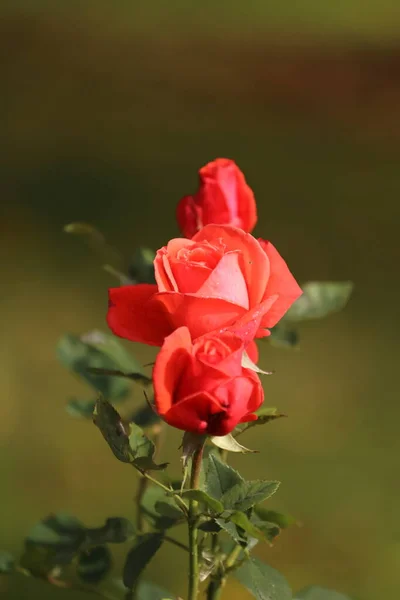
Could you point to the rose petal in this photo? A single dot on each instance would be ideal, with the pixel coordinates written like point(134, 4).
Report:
point(189, 277)
point(193, 413)
point(226, 281)
point(254, 261)
point(188, 217)
point(200, 315)
point(248, 326)
point(134, 315)
point(172, 359)
point(280, 282)
point(252, 352)
point(225, 197)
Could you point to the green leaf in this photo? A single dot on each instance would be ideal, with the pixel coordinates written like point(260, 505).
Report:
point(151, 591)
point(108, 420)
point(7, 563)
point(94, 564)
point(136, 448)
point(155, 499)
point(228, 442)
point(230, 528)
point(262, 581)
point(139, 556)
point(220, 477)
point(61, 533)
point(270, 530)
point(108, 345)
point(139, 378)
point(246, 494)
point(143, 449)
point(319, 299)
point(171, 511)
point(240, 519)
point(141, 268)
point(318, 593)
point(283, 337)
point(265, 415)
point(79, 355)
point(203, 498)
point(272, 516)
point(116, 530)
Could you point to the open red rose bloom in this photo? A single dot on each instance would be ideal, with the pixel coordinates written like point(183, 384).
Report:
point(214, 294)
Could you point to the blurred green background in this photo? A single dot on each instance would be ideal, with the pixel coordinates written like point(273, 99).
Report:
point(107, 111)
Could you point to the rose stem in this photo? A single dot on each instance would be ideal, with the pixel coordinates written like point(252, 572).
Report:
point(193, 530)
point(217, 582)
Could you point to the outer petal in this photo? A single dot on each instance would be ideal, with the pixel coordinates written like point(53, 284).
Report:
point(193, 413)
point(200, 315)
point(134, 315)
point(171, 362)
point(188, 217)
point(247, 327)
point(280, 282)
point(254, 261)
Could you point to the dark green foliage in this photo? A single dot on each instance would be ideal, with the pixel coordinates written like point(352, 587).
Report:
point(116, 530)
point(204, 499)
point(219, 477)
point(57, 539)
point(94, 564)
point(99, 360)
point(262, 581)
point(272, 516)
point(246, 494)
point(160, 509)
point(143, 550)
point(132, 447)
point(265, 415)
point(319, 299)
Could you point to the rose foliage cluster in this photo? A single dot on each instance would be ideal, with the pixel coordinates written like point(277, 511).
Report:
point(217, 290)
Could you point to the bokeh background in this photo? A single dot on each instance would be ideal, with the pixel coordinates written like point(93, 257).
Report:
point(107, 110)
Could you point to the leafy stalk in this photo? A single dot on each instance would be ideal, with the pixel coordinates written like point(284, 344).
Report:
point(193, 526)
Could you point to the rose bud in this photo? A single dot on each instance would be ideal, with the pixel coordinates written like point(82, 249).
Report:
point(201, 386)
point(224, 198)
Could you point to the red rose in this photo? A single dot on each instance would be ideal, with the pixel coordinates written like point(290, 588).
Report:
point(220, 279)
point(202, 387)
point(224, 198)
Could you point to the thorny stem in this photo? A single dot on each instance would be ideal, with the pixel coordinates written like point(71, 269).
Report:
point(217, 580)
point(215, 588)
point(193, 530)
